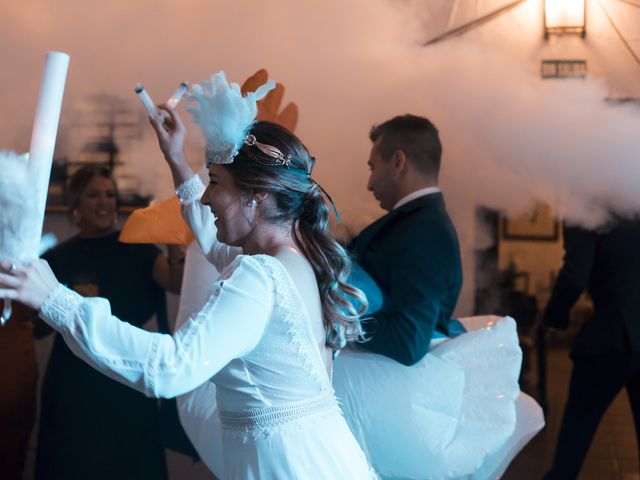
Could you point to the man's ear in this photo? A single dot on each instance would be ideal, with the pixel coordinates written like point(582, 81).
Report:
point(399, 161)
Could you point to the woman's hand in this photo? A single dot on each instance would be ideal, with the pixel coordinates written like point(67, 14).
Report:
point(30, 285)
point(171, 133)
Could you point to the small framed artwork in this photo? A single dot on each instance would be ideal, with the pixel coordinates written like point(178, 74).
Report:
point(563, 68)
point(108, 126)
point(538, 225)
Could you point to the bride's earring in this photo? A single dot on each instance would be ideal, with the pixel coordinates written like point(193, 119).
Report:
point(76, 217)
point(250, 217)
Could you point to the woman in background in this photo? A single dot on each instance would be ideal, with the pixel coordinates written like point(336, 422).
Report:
point(92, 427)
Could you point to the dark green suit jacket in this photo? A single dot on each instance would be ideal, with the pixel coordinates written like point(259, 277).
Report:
point(413, 255)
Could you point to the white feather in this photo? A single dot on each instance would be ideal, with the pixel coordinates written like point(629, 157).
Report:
point(20, 226)
point(224, 115)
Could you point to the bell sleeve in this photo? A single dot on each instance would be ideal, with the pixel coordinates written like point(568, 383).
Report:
point(229, 326)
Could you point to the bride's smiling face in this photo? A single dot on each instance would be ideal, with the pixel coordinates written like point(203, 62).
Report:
point(229, 205)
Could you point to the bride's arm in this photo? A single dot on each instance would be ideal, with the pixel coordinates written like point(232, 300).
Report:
point(189, 188)
point(229, 326)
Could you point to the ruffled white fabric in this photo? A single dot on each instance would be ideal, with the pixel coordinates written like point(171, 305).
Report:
point(446, 414)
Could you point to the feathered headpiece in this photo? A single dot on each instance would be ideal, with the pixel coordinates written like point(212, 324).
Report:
point(225, 116)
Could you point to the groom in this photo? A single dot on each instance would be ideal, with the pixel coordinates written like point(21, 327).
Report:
point(412, 252)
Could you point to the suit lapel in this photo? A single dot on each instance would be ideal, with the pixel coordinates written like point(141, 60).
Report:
point(362, 240)
point(360, 243)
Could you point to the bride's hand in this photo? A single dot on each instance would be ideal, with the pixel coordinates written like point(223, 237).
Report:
point(171, 133)
point(30, 285)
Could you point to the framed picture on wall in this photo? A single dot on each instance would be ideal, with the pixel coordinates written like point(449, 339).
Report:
point(537, 225)
point(106, 127)
point(128, 186)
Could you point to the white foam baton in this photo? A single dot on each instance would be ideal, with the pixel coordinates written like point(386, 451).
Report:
point(146, 100)
point(173, 100)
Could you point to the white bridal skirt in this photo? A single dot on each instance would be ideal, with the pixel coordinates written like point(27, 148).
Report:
point(458, 413)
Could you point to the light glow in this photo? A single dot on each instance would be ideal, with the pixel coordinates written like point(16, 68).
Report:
point(561, 14)
point(177, 95)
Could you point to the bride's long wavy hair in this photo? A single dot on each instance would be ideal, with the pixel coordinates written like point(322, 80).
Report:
point(299, 200)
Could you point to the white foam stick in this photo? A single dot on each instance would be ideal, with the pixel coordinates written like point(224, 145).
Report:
point(177, 95)
point(43, 137)
point(146, 100)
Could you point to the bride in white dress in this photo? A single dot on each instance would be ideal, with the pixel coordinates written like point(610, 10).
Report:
point(266, 333)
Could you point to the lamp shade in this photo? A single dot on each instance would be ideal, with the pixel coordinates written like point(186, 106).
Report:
point(565, 16)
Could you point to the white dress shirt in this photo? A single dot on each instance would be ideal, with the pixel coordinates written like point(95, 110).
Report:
point(417, 194)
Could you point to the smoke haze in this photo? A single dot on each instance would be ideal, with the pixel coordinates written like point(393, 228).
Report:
point(509, 137)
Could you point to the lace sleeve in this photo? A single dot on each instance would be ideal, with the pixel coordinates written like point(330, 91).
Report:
point(190, 190)
point(229, 326)
point(60, 304)
point(201, 221)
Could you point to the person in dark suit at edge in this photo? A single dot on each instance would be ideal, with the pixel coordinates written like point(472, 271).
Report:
point(412, 252)
point(606, 351)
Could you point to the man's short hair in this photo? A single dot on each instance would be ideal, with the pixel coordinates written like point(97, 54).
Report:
point(416, 136)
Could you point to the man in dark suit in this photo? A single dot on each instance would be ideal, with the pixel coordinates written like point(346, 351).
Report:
point(412, 252)
point(606, 351)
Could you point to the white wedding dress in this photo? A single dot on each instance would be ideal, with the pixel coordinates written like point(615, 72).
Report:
point(458, 413)
point(253, 338)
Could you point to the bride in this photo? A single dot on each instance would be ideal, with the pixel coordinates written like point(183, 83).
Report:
point(267, 331)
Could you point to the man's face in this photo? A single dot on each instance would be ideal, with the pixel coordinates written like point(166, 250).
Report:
point(382, 178)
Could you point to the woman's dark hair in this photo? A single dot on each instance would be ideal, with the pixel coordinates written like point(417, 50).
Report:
point(81, 178)
point(299, 199)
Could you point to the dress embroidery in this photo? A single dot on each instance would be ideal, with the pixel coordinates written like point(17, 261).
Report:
point(299, 332)
point(271, 417)
point(59, 304)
